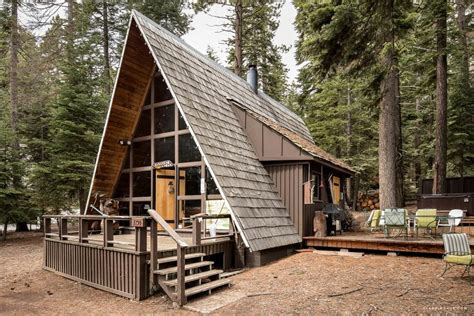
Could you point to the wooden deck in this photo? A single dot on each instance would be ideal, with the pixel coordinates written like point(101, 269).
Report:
point(123, 263)
point(377, 242)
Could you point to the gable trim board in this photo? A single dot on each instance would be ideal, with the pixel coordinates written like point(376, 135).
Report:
point(109, 111)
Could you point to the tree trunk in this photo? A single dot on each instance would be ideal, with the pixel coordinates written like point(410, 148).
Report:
point(4, 234)
point(82, 201)
point(21, 227)
point(391, 183)
point(349, 123)
point(417, 141)
point(461, 22)
point(441, 145)
point(14, 46)
point(238, 38)
point(105, 31)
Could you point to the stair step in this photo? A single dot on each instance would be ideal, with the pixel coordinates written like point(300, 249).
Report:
point(186, 267)
point(194, 277)
point(206, 287)
point(188, 256)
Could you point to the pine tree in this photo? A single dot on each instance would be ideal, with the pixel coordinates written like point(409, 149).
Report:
point(253, 25)
point(77, 116)
point(359, 39)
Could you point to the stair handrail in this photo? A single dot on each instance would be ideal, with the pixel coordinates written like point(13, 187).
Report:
point(181, 246)
point(160, 220)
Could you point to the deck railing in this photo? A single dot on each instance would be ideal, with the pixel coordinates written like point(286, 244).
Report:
point(84, 224)
point(199, 234)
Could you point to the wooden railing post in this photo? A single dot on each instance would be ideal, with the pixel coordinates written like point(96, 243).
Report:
point(62, 228)
point(197, 231)
point(153, 254)
point(181, 272)
point(47, 226)
point(108, 232)
point(83, 230)
point(140, 238)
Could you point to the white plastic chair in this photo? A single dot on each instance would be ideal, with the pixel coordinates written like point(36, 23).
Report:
point(454, 219)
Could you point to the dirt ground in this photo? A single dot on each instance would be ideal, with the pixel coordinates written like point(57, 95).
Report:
point(305, 283)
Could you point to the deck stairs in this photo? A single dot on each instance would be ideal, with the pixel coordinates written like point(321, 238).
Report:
point(200, 277)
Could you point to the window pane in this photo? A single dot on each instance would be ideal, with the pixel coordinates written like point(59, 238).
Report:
point(210, 184)
point(182, 123)
point(188, 151)
point(164, 119)
point(142, 154)
point(192, 181)
point(162, 93)
point(144, 125)
point(190, 208)
point(164, 149)
point(123, 186)
point(141, 184)
point(140, 208)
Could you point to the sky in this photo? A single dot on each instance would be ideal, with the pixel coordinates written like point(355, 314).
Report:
point(206, 32)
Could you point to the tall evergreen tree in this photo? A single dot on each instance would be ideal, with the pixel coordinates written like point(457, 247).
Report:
point(360, 38)
point(253, 25)
point(440, 10)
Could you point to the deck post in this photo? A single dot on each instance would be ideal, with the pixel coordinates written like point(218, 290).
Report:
point(62, 228)
point(108, 233)
point(83, 230)
point(140, 238)
point(180, 287)
point(197, 231)
point(47, 226)
point(153, 254)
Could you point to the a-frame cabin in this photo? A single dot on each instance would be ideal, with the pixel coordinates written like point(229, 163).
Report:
point(206, 151)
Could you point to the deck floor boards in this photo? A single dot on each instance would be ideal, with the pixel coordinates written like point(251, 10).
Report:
point(377, 241)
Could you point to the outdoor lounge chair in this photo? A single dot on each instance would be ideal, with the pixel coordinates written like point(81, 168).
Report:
point(426, 219)
point(374, 220)
point(457, 252)
point(395, 219)
point(454, 219)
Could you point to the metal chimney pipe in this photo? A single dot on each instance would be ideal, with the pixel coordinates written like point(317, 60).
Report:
point(252, 77)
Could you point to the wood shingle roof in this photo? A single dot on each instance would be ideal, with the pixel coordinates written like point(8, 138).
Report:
point(201, 89)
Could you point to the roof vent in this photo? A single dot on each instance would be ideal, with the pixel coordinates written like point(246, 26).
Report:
point(252, 77)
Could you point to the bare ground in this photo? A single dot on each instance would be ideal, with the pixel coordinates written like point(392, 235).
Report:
point(305, 283)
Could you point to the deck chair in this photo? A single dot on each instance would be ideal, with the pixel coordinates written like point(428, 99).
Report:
point(396, 219)
point(454, 219)
point(457, 251)
point(426, 219)
point(374, 220)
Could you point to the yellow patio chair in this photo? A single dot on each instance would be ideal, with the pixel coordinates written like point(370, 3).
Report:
point(426, 219)
point(457, 251)
point(374, 220)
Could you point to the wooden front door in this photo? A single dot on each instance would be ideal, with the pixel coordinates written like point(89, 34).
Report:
point(165, 194)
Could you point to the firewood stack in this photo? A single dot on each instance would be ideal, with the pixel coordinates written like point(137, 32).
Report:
point(368, 201)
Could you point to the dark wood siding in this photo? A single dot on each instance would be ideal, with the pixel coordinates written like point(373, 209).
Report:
point(268, 144)
point(288, 179)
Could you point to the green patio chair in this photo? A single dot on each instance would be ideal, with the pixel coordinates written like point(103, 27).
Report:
point(426, 219)
point(396, 219)
point(457, 251)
